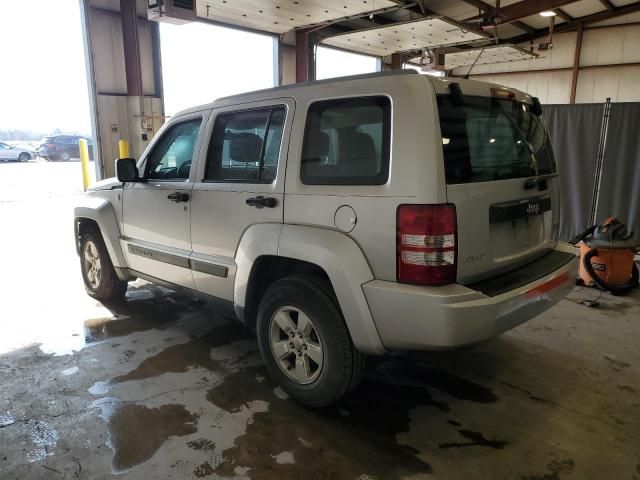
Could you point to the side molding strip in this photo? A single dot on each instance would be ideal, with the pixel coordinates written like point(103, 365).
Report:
point(159, 256)
point(210, 268)
point(179, 261)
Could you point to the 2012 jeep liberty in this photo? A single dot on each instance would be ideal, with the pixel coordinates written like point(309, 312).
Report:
point(341, 219)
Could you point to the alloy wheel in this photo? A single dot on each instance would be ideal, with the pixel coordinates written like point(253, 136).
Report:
point(295, 344)
point(92, 265)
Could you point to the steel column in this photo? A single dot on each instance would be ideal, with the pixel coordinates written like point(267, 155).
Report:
point(396, 61)
point(129, 19)
point(302, 56)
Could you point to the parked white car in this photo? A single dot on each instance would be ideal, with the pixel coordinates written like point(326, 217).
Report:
point(15, 153)
point(342, 218)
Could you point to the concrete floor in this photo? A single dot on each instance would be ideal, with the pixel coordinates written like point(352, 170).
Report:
point(162, 387)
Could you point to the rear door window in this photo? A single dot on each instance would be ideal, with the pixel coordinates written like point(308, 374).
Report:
point(245, 146)
point(347, 142)
point(488, 139)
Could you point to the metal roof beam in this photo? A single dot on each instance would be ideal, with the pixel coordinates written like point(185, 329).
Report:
point(563, 15)
point(608, 5)
point(485, 7)
point(593, 18)
point(526, 8)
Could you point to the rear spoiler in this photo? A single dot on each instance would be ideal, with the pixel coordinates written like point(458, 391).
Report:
point(458, 100)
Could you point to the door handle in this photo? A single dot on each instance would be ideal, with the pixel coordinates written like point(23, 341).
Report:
point(178, 197)
point(261, 202)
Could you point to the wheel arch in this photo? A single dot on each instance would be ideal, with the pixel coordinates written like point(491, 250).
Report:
point(99, 213)
point(283, 250)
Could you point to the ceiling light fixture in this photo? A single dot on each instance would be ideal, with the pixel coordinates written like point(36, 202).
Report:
point(547, 13)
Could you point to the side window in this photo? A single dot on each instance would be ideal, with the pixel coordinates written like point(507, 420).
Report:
point(171, 157)
point(245, 146)
point(347, 142)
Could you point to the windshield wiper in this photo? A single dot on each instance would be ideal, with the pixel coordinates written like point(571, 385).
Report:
point(522, 135)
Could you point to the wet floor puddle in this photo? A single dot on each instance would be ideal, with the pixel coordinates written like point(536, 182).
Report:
point(137, 432)
point(180, 358)
point(155, 309)
point(358, 436)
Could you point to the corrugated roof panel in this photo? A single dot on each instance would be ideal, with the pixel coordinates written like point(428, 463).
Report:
point(484, 56)
point(537, 21)
point(630, 18)
point(622, 3)
point(507, 30)
point(279, 16)
point(423, 33)
point(583, 8)
point(459, 10)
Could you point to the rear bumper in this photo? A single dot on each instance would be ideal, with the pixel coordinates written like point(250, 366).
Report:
point(411, 317)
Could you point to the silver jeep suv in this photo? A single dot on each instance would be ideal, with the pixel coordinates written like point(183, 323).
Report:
point(342, 218)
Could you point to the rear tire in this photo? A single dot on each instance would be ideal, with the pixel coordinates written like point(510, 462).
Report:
point(312, 357)
point(100, 278)
point(64, 156)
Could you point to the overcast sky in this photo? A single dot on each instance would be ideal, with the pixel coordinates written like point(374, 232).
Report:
point(43, 76)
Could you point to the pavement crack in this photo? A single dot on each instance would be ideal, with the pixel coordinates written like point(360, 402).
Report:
point(537, 398)
point(51, 469)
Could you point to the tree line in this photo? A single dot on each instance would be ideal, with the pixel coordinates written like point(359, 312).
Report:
point(31, 135)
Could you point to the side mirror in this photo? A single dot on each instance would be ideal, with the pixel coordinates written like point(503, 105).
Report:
point(126, 170)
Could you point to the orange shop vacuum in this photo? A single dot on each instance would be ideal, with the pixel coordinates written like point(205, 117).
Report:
point(607, 254)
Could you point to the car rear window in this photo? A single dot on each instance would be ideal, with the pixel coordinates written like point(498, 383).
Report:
point(347, 142)
point(487, 139)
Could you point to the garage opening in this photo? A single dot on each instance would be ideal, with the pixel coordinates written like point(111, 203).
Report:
point(331, 63)
point(44, 102)
point(198, 66)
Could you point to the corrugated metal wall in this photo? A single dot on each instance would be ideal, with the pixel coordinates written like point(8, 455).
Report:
point(600, 46)
point(118, 115)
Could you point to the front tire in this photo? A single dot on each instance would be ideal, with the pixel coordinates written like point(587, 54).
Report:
point(305, 342)
point(64, 156)
point(24, 157)
point(100, 278)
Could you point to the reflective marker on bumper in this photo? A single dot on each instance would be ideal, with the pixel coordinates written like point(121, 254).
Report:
point(547, 286)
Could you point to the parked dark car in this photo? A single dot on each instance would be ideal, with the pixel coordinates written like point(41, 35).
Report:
point(62, 147)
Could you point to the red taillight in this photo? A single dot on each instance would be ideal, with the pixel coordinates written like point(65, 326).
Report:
point(426, 244)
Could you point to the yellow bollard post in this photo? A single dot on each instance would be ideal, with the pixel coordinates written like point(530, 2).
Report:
point(84, 161)
point(123, 148)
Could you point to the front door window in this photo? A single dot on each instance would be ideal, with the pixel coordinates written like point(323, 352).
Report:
point(172, 156)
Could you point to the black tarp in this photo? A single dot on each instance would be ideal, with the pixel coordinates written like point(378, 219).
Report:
point(575, 135)
point(620, 185)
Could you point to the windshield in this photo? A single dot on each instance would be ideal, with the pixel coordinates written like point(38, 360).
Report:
point(488, 139)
